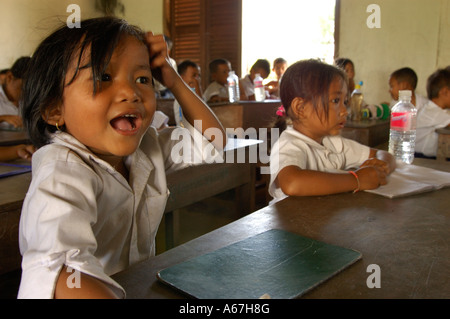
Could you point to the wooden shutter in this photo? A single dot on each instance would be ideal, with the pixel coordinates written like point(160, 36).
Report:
point(203, 30)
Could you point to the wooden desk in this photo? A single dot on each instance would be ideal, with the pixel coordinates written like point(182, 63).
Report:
point(243, 114)
point(367, 132)
point(13, 137)
point(199, 182)
point(246, 114)
point(407, 237)
point(443, 150)
point(13, 190)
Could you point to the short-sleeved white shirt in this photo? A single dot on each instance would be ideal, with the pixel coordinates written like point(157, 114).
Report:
point(429, 118)
point(295, 149)
point(248, 86)
point(80, 212)
point(215, 88)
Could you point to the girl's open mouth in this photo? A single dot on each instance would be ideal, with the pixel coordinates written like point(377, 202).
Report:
point(127, 124)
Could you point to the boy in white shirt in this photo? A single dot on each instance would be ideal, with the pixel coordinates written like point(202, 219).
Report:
point(217, 90)
point(430, 116)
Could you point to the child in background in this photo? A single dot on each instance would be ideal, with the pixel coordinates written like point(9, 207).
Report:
point(262, 67)
point(405, 79)
point(438, 88)
point(433, 115)
point(310, 157)
point(349, 67)
point(429, 115)
point(190, 73)
point(99, 187)
point(279, 67)
point(10, 92)
point(217, 90)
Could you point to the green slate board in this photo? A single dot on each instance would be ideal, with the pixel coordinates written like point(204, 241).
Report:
point(278, 263)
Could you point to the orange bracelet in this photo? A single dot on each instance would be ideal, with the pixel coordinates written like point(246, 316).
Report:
point(357, 180)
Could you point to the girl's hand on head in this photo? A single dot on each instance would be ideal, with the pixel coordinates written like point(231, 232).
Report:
point(162, 69)
point(371, 177)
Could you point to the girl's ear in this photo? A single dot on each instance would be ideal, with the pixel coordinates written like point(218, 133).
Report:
point(53, 115)
point(298, 107)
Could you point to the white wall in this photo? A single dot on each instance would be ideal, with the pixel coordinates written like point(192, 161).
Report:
point(24, 23)
point(413, 33)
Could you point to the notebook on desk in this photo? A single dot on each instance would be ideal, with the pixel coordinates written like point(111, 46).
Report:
point(10, 169)
point(275, 263)
point(412, 179)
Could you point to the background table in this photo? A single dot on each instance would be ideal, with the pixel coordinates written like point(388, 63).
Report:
point(368, 132)
point(408, 238)
point(13, 137)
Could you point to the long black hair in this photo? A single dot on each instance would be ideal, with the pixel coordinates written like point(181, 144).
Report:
point(310, 80)
point(46, 77)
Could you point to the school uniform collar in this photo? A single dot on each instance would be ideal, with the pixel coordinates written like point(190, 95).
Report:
point(138, 164)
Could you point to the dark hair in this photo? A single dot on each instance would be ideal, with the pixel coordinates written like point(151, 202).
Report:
point(436, 81)
point(182, 67)
point(406, 75)
point(279, 60)
point(342, 62)
point(46, 78)
point(20, 67)
point(309, 80)
point(216, 62)
point(261, 64)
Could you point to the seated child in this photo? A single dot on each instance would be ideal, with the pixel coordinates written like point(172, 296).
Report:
point(434, 114)
point(217, 90)
point(262, 67)
point(190, 73)
point(310, 157)
point(10, 92)
point(279, 67)
point(429, 115)
point(99, 186)
point(349, 67)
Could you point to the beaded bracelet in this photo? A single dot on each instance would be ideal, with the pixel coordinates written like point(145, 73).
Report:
point(357, 180)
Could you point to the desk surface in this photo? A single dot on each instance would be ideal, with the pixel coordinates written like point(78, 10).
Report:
point(406, 237)
point(13, 137)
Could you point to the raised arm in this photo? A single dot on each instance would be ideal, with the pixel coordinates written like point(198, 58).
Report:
point(193, 107)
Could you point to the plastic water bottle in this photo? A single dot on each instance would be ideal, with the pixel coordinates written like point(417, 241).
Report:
point(402, 137)
point(260, 93)
point(233, 87)
point(356, 102)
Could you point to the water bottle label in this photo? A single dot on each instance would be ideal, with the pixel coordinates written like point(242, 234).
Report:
point(258, 84)
point(402, 121)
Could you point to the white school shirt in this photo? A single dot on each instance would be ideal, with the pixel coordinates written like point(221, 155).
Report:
point(429, 118)
point(215, 88)
point(80, 212)
point(248, 86)
point(337, 154)
point(6, 108)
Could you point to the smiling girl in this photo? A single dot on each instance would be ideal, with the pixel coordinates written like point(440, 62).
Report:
point(310, 157)
point(98, 189)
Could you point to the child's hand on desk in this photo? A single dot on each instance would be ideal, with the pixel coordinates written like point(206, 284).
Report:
point(371, 177)
point(379, 164)
point(25, 151)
